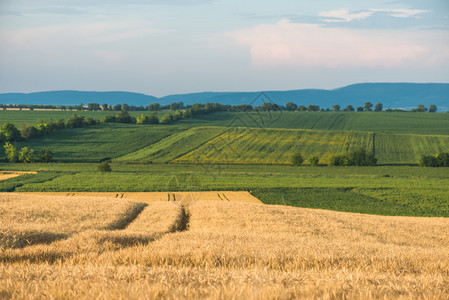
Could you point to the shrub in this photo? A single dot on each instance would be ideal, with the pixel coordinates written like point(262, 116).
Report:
point(12, 155)
point(314, 160)
point(167, 118)
point(440, 160)
point(108, 119)
point(297, 159)
point(45, 155)
point(358, 157)
point(104, 167)
point(338, 160)
point(26, 155)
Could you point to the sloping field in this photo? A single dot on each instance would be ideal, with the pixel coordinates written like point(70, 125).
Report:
point(275, 146)
point(242, 251)
point(94, 143)
point(398, 148)
point(389, 122)
point(173, 146)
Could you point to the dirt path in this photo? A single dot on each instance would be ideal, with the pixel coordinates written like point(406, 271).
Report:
point(11, 174)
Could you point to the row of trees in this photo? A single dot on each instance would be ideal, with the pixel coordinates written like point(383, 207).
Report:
point(10, 133)
point(25, 154)
point(357, 157)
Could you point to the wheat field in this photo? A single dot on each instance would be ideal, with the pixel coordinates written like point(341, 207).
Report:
point(223, 249)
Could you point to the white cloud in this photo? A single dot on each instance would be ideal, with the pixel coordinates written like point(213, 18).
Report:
point(402, 13)
point(345, 15)
point(312, 45)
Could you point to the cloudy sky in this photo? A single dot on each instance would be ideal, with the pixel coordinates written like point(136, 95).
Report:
point(162, 47)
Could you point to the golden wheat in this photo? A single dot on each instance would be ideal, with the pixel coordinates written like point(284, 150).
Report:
point(240, 251)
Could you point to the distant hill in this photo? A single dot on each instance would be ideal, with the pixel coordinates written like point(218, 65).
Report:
point(392, 95)
point(77, 97)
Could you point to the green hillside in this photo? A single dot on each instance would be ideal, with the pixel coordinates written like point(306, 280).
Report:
point(173, 146)
point(388, 122)
point(407, 148)
point(275, 146)
point(94, 143)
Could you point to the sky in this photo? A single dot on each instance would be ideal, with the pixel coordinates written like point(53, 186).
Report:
point(162, 47)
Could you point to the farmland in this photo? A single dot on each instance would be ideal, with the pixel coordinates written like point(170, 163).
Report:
point(222, 250)
point(210, 207)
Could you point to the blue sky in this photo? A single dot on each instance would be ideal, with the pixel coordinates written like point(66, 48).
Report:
point(162, 47)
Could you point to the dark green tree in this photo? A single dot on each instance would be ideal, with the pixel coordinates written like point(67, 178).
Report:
point(336, 107)
point(378, 107)
point(10, 132)
point(432, 108)
point(297, 159)
point(290, 106)
point(368, 106)
point(45, 155)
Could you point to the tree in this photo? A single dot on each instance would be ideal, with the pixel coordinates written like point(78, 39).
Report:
point(10, 132)
point(336, 107)
point(302, 108)
point(104, 107)
point(268, 106)
point(125, 107)
point(313, 107)
point(421, 108)
point(118, 107)
point(167, 118)
point(368, 106)
point(349, 108)
point(93, 106)
point(178, 115)
point(26, 155)
point(432, 108)
point(75, 121)
point(297, 159)
point(291, 106)
point(104, 167)
point(378, 107)
point(45, 155)
point(314, 160)
point(124, 117)
point(359, 108)
point(29, 132)
point(154, 107)
point(12, 155)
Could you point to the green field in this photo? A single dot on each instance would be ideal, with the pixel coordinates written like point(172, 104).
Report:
point(275, 146)
point(408, 191)
point(173, 146)
point(92, 144)
point(388, 122)
point(240, 151)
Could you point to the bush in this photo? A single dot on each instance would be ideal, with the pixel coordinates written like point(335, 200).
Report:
point(358, 157)
point(297, 159)
point(167, 118)
point(45, 155)
point(440, 160)
point(314, 160)
point(108, 119)
point(12, 155)
point(26, 155)
point(104, 167)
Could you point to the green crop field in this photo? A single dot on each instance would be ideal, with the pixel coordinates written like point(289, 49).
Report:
point(408, 191)
point(94, 143)
point(275, 146)
point(388, 122)
point(173, 146)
